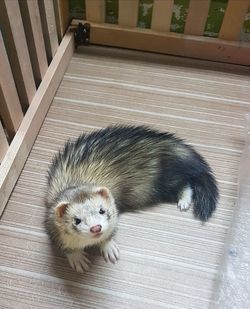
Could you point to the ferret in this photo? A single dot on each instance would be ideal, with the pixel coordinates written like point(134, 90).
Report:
point(117, 169)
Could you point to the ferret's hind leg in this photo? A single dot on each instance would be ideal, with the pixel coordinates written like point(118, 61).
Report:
point(185, 199)
point(78, 260)
point(110, 251)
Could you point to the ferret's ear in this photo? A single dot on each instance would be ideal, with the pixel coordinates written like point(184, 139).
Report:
point(103, 191)
point(61, 208)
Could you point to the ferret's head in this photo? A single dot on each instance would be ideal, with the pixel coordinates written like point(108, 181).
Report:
point(86, 211)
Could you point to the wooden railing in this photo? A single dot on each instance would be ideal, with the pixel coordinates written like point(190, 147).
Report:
point(33, 57)
point(226, 48)
point(26, 29)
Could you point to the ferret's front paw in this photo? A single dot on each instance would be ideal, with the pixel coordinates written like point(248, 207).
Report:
point(110, 251)
point(78, 261)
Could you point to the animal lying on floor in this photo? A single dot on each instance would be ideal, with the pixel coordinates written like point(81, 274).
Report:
point(116, 169)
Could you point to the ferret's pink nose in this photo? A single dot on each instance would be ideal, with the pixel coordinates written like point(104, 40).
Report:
point(96, 229)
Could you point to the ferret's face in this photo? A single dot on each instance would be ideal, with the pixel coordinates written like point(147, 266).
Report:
point(89, 217)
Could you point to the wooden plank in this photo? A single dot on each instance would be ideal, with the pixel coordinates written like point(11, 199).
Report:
point(3, 143)
point(128, 13)
point(197, 17)
point(62, 16)
point(170, 43)
point(16, 45)
point(162, 15)
point(21, 145)
point(10, 107)
point(95, 10)
point(33, 30)
point(49, 27)
point(233, 19)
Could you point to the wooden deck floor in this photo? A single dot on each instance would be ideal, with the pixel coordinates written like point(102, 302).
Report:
point(168, 259)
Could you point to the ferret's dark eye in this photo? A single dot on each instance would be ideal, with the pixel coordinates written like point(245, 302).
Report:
point(101, 211)
point(77, 221)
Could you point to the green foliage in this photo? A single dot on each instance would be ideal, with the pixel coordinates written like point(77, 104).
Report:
point(145, 13)
point(246, 25)
point(112, 11)
point(77, 9)
point(215, 17)
point(179, 16)
point(245, 32)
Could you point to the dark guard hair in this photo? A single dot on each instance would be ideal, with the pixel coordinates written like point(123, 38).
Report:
point(139, 165)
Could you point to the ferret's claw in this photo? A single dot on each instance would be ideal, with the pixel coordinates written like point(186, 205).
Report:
point(79, 261)
point(110, 252)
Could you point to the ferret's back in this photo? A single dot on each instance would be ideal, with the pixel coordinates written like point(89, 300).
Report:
point(114, 157)
point(127, 160)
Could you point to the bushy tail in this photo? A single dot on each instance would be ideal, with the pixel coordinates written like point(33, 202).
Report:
point(205, 195)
